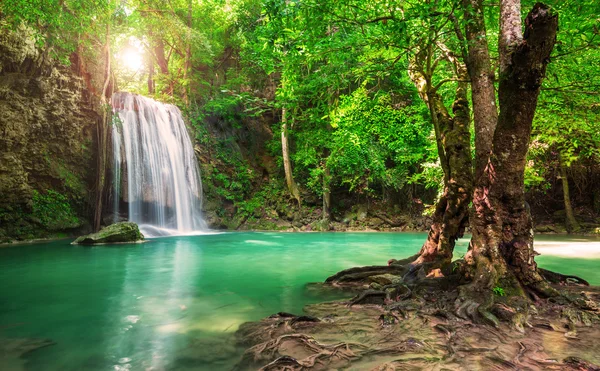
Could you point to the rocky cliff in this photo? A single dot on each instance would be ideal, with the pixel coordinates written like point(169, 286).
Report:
point(47, 126)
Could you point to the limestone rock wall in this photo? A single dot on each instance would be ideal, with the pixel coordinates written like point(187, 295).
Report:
point(47, 136)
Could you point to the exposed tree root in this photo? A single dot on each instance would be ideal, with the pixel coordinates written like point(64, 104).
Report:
point(404, 318)
point(309, 353)
point(423, 332)
point(475, 301)
point(561, 279)
point(358, 275)
point(580, 364)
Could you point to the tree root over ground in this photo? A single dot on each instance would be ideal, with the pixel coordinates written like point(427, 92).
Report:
point(396, 326)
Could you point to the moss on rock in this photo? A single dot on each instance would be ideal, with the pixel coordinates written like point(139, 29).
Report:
point(115, 233)
point(47, 125)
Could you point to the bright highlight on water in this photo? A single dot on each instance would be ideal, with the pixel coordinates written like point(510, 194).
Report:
point(155, 170)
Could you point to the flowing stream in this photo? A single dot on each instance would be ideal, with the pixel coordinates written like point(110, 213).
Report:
point(155, 170)
point(174, 303)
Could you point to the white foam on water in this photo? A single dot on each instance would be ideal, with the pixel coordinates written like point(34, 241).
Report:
point(264, 243)
point(581, 249)
point(152, 231)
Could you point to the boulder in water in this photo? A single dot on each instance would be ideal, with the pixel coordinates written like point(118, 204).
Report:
point(122, 232)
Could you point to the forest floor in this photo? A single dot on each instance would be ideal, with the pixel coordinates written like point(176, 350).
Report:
point(418, 333)
point(379, 221)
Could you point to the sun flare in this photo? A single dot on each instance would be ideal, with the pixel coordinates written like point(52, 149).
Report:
point(132, 59)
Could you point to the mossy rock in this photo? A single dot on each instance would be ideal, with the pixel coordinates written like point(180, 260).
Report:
point(124, 232)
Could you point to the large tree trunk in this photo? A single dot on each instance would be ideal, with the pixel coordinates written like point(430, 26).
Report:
point(502, 242)
point(570, 222)
point(453, 139)
point(483, 96)
point(287, 163)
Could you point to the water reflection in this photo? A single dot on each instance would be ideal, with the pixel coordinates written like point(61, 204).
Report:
point(174, 303)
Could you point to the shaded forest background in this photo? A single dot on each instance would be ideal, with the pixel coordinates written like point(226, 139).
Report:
point(306, 114)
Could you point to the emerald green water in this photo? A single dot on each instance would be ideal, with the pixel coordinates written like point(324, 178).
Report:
point(174, 303)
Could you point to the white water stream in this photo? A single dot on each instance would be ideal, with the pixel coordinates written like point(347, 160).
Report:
point(155, 168)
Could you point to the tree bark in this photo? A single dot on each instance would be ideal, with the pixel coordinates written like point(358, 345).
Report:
point(326, 194)
point(159, 54)
point(151, 83)
point(453, 138)
point(326, 172)
point(502, 242)
point(510, 31)
point(596, 188)
point(483, 96)
point(163, 63)
point(287, 164)
point(188, 56)
point(570, 222)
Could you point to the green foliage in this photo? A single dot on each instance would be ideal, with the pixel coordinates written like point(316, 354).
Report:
point(266, 198)
point(233, 107)
point(499, 291)
point(338, 68)
point(60, 23)
point(430, 174)
point(234, 183)
point(374, 143)
point(116, 121)
point(53, 211)
point(72, 182)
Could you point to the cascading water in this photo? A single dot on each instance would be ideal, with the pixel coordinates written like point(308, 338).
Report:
point(155, 169)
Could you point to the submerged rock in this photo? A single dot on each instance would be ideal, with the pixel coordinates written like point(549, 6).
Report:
point(13, 350)
point(114, 233)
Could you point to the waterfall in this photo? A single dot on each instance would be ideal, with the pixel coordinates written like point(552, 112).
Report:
point(117, 145)
point(155, 169)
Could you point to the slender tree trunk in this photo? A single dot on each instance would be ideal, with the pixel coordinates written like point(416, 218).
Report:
point(452, 210)
point(326, 193)
point(326, 172)
point(453, 138)
point(287, 164)
point(102, 134)
point(151, 83)
point(188, 56)
point(502, 242)
point(596, 188)
point(159, 53)
point(571, 223)
point(163, 64)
